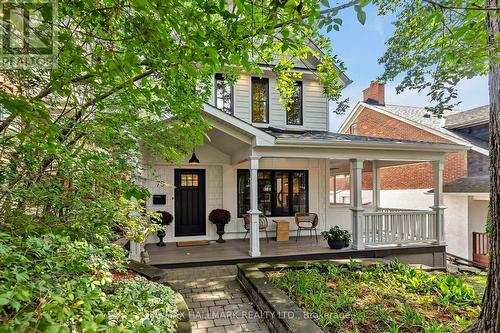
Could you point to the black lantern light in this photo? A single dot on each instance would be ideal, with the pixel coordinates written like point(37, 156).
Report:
point(194, 159)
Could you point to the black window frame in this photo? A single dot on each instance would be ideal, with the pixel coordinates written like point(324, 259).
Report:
point(246, 173)
point(220, 76)
point(254, 78)
point(301, 108)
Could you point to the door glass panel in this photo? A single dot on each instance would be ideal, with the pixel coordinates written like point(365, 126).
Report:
point(264, 185)
point(243, 192)
point(299, 192)
point(189, 180)
point(282, 193)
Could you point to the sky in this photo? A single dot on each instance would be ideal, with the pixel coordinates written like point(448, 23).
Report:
point(359, 47)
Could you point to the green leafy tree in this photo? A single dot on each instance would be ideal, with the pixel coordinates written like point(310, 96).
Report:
point(132, 77)
point(435, 45)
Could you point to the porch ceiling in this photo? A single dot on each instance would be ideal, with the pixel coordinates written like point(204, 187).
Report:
point(227, 143)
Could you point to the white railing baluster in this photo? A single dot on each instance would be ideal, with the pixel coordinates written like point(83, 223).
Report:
point(391, 226)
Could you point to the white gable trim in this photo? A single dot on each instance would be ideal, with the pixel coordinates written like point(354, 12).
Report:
point(361, 105)
point(260, 137)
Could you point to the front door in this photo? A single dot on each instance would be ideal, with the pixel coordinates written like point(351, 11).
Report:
point(189, 202)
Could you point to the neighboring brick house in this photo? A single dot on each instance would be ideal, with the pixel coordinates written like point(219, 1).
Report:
point(465, 173)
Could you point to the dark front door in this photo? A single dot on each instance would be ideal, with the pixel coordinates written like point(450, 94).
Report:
point(189, 202)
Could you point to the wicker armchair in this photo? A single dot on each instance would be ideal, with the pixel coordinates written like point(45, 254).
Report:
point(263, 224)
point(306, 221)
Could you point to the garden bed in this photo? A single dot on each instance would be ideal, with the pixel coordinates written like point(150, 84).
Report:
point(359, 296)
point(390, 297)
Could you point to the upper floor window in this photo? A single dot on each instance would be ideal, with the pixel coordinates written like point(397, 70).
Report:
point(294, 113)
point(223, 94)
point(260, 100)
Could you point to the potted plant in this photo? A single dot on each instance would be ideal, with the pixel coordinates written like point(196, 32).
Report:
point(346, 237)
point(334, 237)
point(164, 219)
point(220, 217)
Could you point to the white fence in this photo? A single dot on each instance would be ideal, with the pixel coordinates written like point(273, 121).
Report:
point(391, 226)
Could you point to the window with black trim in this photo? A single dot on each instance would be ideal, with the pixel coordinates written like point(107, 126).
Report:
point(260, 100)
point(279, 192)
point(223, 94)
point(294, 113)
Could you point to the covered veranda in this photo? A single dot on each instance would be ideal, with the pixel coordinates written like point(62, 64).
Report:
point(373, 228)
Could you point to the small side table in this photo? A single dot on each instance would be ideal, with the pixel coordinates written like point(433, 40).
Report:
point(282, 230)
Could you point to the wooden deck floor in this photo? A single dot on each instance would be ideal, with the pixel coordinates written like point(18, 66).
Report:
point(236, 251)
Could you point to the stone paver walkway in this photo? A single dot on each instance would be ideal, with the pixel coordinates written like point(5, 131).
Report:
point(215, 299)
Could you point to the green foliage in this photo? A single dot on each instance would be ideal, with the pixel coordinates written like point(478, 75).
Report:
point(53, 284)
point(435, 47)
point(337, 234)
point(385, 297)
point(131, 81)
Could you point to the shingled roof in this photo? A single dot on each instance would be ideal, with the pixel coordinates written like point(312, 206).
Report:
point(479, 184)
point(470, 117)
point(337, 137)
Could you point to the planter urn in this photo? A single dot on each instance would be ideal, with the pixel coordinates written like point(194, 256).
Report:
point(161, 234)
point(336, 244)
point(220, 231)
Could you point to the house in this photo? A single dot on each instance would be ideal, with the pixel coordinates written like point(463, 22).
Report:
point(258, 158)
point(465, 175)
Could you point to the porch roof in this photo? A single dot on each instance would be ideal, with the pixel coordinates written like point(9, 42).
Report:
point(274, 139)
point(323, 137)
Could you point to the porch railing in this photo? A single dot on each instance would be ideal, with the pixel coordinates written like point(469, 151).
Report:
point(399, 227)
point(480, 248)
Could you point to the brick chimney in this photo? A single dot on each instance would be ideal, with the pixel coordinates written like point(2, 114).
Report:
point(375, 93)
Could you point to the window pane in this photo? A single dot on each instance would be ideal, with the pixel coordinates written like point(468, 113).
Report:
point(367, 186)
point(243, 192)
point(260, 100)
point(282, 184)
point(294, 114)
point(299, 192)
point(342, 189)
point(223, 94)
point(264, 192)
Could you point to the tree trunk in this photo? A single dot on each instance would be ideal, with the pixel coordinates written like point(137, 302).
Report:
point(489, 319)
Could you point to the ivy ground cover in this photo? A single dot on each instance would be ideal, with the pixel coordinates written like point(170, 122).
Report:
point(390, 297)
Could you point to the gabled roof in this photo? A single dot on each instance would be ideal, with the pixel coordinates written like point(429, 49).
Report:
point(476, 116)
point(418, 117)
point(277, 137)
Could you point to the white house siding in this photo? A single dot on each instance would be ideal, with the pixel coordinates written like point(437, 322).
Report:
point(315, 104)
point(456, 225)
point(221, 192)
point(478, 212)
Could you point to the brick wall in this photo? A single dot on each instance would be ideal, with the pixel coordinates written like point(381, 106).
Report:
point(415, 176)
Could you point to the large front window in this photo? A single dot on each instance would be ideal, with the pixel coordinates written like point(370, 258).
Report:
point(279, 192)
point(260, 100)
point(294, 113)
point(223, 94)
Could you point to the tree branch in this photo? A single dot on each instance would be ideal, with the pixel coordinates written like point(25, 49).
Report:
point(437, 4)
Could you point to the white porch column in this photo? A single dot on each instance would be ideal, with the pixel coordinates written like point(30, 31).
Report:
point(439, 207)
point(135, 251)
point(357, 204)
point(376, 184)
point(254, 209)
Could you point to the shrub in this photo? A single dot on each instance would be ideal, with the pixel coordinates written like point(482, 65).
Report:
point(219, 216)
point(164, 218)
point(55, 284)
